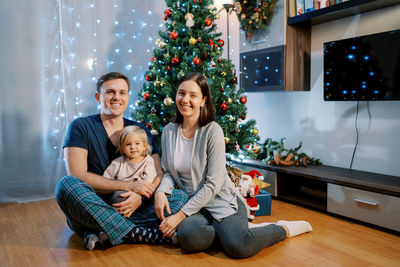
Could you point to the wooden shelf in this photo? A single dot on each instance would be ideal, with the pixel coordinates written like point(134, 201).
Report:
point(374, 182)
point(341, 10)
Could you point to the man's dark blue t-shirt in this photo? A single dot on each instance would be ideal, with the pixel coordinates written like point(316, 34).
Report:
point(89, 133)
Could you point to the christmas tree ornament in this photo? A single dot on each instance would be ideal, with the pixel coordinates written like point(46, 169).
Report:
point(230, 100)
point(208, 22)
point(157, 83)
point(146, 96)
point(196, 61)
point(162, 83)
point(238, 8)
point(175, 61)
point(255, 131)
point(153, 58)
point(219, 60)
point(223, 73)
point(189, 20)
point(137, 103)
point(148, 125)
point(168, 101)
point(173, 35)
point(222, 89)
point(148, 78)
point(256, 148)
point(192, 41)
point(243, 117)
point(160, 43)
point(199, 40)
point(217, 16)
point(153, 111)
point(237, 147)
point(234, 80)
point(223, 106)
point(221, 42)
point(167, 14)
point(227, 140)
point(243, 100)
point(154, 132)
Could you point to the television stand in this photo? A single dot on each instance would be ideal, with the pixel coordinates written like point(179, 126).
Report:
point(364, 196)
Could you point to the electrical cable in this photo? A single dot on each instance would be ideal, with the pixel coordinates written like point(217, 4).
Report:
point(355, 124)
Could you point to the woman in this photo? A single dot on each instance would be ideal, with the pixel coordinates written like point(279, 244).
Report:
point(194, 160)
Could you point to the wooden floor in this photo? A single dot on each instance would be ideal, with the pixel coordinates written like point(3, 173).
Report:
point(35, 234)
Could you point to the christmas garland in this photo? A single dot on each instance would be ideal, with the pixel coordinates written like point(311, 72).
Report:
point(254, 15)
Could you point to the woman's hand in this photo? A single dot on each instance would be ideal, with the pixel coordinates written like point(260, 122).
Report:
point(161, 202)
point(169, 225)
point(128, 206)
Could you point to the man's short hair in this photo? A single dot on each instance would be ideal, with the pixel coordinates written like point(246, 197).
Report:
point(111, 76)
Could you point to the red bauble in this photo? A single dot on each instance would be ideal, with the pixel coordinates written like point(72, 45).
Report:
point(199, 40)
point(153, 58)
point(169, 68)
point(173, 35)
point(243, 100)
point(219, 60)
point(148, 78)
point(223, 106)
point(167, 14)
point(175, 60)
point(234, 80)
point(196, 61)
point(148, 125)
point(146, 96)
point(221, 42)
point(208, 22)
point(222, 89)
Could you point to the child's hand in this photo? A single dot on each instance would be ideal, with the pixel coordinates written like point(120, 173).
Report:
point(127, 207)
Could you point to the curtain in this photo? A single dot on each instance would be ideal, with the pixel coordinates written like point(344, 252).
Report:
point(52, 52)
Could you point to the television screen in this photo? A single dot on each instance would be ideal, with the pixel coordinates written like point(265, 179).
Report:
point(262, 70)
point(363, 68)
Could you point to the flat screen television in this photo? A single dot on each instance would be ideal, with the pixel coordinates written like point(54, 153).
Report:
point(262, 70)
point(363, 68)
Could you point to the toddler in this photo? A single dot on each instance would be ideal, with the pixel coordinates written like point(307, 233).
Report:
point(135, 162)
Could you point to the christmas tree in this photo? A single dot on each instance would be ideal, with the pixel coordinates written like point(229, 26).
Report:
point(190, 43)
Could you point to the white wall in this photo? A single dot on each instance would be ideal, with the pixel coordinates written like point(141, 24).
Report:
point(327, 128)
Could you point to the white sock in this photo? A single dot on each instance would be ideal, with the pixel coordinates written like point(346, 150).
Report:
point(296, 227)
point(254, 225)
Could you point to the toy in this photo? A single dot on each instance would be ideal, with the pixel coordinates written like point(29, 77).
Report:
point(249, 190)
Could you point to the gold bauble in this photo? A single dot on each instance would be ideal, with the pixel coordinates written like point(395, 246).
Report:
point(255, 131)
point(243, 16)
point(230, 100)
point(223, 73)
point(192, 41)
point(168, 101)
point(227, 140)
point(217, 16)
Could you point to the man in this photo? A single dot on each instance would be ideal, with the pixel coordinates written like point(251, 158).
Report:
point(89, 147)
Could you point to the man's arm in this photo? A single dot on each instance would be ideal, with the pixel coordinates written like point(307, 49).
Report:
point(160, 173)
point(76, 165)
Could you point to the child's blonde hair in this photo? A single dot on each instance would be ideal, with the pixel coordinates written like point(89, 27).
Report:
point(133, 130)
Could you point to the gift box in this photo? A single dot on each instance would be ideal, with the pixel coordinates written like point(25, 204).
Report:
point(264, 201)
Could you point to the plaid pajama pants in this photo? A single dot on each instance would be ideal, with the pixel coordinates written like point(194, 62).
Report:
point(87, 211)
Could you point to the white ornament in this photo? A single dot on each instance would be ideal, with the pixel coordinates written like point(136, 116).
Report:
point(189, 20)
